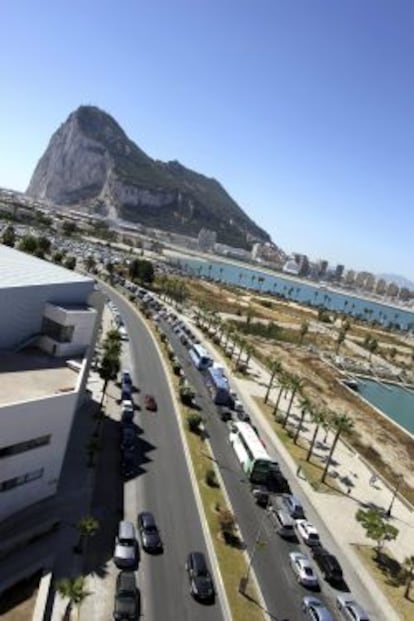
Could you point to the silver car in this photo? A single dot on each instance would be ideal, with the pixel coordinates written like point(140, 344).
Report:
point(303, 570)
point(126, 546)
point(315, 610)
point(350, 609)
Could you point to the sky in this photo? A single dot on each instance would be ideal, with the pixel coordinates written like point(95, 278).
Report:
point(302, 109)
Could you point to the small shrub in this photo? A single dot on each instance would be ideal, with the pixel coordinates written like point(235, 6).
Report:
point(194, 422)
point(211, 478)
point(227, 522)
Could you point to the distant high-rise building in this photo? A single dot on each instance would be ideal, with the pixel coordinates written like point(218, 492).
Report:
point(349, 278)
point(392, 290)
point(323, 268)
point(339, 272)
point(207, 240)
point(369, 284)
point(380, 286)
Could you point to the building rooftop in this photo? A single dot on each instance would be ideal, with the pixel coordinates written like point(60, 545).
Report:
point(18, 269)
point(32, 374)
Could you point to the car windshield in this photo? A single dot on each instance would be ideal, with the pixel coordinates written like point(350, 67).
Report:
point(308, 571)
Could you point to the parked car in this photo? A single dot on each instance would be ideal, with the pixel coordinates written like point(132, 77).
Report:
point(350, 609)
point(285, 525)
point(126, 546)
point(150, 403)
point(127, 411)
point(261, 495)
point(294, 506)
point(126, 392)
point(308, 533)
point(128, 464)
point(303, 570)
point(128, 438)
point(328, 564)
point(126, 377)
point(149, 533)
point(127, 597)
point(201, 582)
point(315, 610)
point(123, 333)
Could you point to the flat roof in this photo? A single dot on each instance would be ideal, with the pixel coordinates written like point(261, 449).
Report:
point(19, 269)
point(33, 374)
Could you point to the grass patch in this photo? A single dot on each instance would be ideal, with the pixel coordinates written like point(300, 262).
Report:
point(386, 572)
point(313, 469)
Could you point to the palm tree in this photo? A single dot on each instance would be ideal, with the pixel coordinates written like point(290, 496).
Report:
point(242, 345)
point(87, 527)
point(339, 340)
point(90, 263)
point(305, 407)
point(304, 329)
point(236, 341)
point(408, 565)
point(249, 352)
point(318, 417)
point(295, 384)
point(74, 590)
point(284, 383)
point(275, 369)
point(342, 424)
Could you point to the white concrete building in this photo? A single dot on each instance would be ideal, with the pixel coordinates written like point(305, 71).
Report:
point(49, 318)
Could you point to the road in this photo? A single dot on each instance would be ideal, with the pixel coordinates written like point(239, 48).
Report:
point(163, 486)
point(281, 592)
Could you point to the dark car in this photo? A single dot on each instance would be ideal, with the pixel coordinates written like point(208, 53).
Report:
point(226, 415)
point(328, 565)
point(128, 437)
point(149, 533)
point(128, 464)
point(127, 597)
point(150, 403)
point(201, 582)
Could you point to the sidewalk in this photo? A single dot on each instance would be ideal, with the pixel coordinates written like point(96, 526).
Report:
point(336, 511)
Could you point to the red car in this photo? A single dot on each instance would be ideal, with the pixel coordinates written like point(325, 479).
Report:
point(150, 403)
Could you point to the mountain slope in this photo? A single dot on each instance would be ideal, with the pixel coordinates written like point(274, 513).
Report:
point(90, 160)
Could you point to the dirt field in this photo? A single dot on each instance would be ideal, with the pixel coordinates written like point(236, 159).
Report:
point(389, 449)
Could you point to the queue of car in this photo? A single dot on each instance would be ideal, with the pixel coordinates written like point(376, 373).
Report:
point(289, 517)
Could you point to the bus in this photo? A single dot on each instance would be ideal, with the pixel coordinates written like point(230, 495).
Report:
point(218, 385)
point(252, 455)
point(200, 357)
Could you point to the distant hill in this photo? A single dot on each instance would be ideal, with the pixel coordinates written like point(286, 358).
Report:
point(401, 281)
point(90, 160)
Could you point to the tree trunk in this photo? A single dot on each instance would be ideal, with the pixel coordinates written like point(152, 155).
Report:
point(269, 388)
point(328, 461)
point(103, 392)
point(315, 433)
point(288, 410)
point(299, 427)
point(275, 409)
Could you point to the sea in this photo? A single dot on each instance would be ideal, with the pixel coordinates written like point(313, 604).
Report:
point(299, 291)
point(396, 402)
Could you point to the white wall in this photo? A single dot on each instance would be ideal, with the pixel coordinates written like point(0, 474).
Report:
point(26, 421)
point(83, 322)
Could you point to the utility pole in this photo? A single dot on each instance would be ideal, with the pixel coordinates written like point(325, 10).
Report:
point(244, 580)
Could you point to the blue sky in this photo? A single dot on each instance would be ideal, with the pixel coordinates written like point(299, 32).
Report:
point(302, 109)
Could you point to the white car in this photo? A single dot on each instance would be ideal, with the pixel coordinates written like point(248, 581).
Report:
point(308, 533)
point(350, 609)
point(302, 568)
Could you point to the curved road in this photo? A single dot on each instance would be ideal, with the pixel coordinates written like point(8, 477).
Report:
point(162, 486)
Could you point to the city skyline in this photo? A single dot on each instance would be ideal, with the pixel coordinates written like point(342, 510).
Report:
point(301, 111)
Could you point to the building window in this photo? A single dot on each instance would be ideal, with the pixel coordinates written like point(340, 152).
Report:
point(21, 480)
point(57, 332)
point(22, 447)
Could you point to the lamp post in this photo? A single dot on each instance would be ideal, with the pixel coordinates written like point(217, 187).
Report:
point(394, 494)
point(244, 580)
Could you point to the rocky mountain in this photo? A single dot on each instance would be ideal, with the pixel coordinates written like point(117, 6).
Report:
point(91, 161)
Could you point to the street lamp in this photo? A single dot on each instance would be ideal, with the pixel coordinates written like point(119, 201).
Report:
point(244, 580)
point(395, 492)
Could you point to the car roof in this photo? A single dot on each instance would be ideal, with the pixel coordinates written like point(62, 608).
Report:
point(198, 559)
point(126, 580)
point(147, 516)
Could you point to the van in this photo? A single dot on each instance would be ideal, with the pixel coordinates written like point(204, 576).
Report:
point(285, 525)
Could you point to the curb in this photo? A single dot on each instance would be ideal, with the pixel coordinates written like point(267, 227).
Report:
point(43, 592)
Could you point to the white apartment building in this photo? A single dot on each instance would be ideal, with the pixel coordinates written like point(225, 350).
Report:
point(49, 318)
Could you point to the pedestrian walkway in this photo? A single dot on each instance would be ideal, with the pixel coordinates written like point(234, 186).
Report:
point(361, 486)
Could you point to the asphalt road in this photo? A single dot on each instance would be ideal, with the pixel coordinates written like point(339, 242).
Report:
point(281, 592)
point(162, 486)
